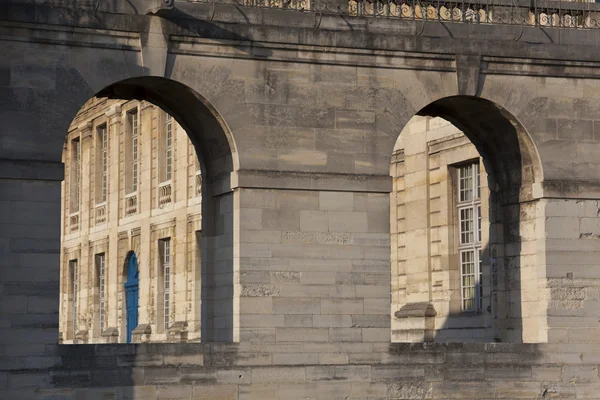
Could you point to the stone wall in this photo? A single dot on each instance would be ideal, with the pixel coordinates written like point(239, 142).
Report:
point(313, 371)
point(277, 107)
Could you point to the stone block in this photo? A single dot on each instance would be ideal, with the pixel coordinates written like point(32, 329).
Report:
point(273, 375)
point(579, 374)
point(345, 221)
point(301, 334)
point(336, 201)
point(295, 359)
point(314, 221)
point(329, 321)
point(345, 335)
point(215, 392)
point(173, 393)
point(376, 334)
point(342, 306)
point(258, 392)
point(318, 278)
point(294, 305)
point(298, 321)
point(256, 305)
point(333, 358)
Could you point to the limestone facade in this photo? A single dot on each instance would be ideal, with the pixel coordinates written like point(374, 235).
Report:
point(132, 187)
point(282, 127)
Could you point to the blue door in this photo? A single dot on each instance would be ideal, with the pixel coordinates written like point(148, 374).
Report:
point(131, 291)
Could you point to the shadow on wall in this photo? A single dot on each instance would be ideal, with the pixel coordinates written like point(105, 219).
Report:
point(433, 308)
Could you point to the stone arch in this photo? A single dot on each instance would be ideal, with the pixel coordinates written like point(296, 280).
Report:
point(215, 147)
point(513, 166)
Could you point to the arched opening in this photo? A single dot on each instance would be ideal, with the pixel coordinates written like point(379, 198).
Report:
point(147, 228)
point(463, 226)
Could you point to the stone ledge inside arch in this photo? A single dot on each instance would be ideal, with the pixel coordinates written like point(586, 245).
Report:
point(416, 322)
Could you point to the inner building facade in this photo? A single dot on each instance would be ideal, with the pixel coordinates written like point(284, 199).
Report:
point(442, 227)
point(131, 227)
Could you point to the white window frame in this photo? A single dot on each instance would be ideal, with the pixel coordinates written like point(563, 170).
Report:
point(168, 147)
point(469, 236)
point(166, 267)
point(101, 266)
point(74, 274)
point(132, 120)
point(75, 175)
point(103, 153)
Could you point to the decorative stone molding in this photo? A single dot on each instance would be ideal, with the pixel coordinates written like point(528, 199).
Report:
point(111, 335)
point(86, 130)
point(417, 322)
point(141, 333)
point(81, 337)
point(113, 111)
point(178, 332)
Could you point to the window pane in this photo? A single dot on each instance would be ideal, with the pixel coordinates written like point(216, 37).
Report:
point(477, 181)
point(479, 224)
point(466, 225)
point(166, 261)
point(101, 264)
point(467, 264)
point(466, 183)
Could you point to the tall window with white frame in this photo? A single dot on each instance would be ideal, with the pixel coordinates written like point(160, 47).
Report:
point(168, 147)
point(469, 231)
point(75, 191)
point(165, 258)
point(101, 274)
point(74, 185)
point(74, 275)
point(102, 166)
point(132, 122)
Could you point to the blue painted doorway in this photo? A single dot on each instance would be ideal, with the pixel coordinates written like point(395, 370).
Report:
point(131, 294)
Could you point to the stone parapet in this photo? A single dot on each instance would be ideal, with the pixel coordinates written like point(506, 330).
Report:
point(317, 370)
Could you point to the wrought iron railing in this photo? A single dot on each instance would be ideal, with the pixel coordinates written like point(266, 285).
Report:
point(545, 13)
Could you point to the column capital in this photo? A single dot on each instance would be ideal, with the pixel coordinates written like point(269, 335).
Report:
point(85, 129)
point(113, 113)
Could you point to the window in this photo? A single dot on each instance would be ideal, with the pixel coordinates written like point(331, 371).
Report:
point(102, 164)
point(469, 226)
point(75, 175)
point(74, 276)
point(101, 270)
point(132, 129)
point(168, 147)
point(165, 256)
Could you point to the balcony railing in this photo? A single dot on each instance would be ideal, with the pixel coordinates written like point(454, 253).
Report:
point(198, 183)
point(164, 194)
point(583, 14)
point(74, 222)
point(131, 204)
point(100, 214)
